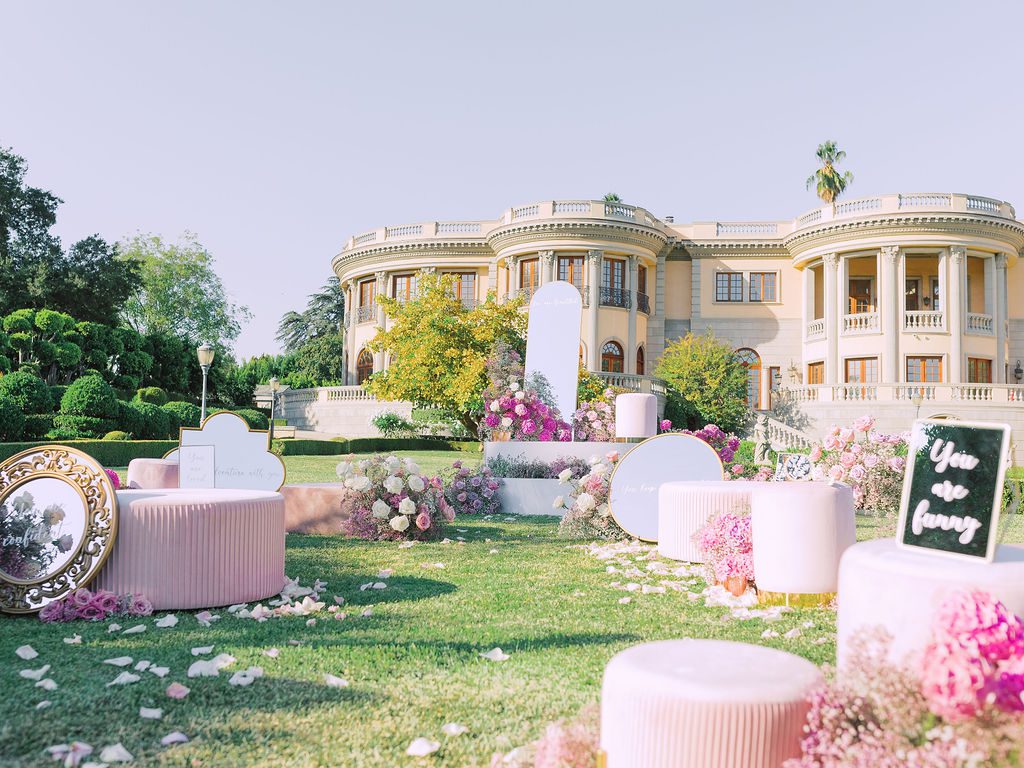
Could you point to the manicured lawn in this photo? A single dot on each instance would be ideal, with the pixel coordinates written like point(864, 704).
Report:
point(321, 469)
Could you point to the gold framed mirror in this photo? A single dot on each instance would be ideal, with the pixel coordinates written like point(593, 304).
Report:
point(58, 521)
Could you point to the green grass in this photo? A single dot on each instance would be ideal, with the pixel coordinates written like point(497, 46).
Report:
point(413, 665)
point(321, 469)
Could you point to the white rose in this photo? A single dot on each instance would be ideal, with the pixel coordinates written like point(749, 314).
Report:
point(393, 464)
point(599, 469)
point(344, 468)
point(381, 509)
point(393, 484)
point(593, 460)
point(520, 395)
point(506, 422)
point(513, 383)
point(416, 483)
point(407, 507)
point(558, 503)
point(412, 467)
point(358, 483)
point(585, 502)
point(400, 522)
point(495, 406)
point(564, 475)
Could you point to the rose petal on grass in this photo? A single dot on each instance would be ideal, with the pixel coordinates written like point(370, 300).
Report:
point(422, 747)
point(367, 613)
point(453, 729)
point(74, 640)
point(137, 629)
point(241, 678)
point(237, 607)
point(116, 753)
point(113, 628)
point(332, 681)
point(35, 674)
point(387, 573)
point(407, 545)
point(769, 634)
point(202, 650)
point(143, 665)
point(624, 600)
point(26, 653)
point(339, 600)
point(47, 684)
point(793, 634)
point(168, 621)
point(125, 678)
point(493, 552)
point(272, 653)
point(44, 704)
point(151, 713)
point(311, 623)
point(159, 671)
point(120, 661)
point(177, 691)
point(71, 754)
point(205, 618)
point(175, 737)
point(496, 654)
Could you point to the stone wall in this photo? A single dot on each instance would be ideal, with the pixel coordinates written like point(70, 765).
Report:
point(311, 409)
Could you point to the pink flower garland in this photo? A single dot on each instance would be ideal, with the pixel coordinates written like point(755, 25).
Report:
point(95, 606)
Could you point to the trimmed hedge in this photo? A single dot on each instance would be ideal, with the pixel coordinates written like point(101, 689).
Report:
point(187, 414)
point(37, 425)
point(342, 447)
point(153, 395)
point(253, 418)
point(155, 422)
point(109, 453)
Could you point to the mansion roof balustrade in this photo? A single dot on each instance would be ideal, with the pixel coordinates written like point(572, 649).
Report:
point(995, 394)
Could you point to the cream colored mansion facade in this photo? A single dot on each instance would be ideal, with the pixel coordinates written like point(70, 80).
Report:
point(902, 304)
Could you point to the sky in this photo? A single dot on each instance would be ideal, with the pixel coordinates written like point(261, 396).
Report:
point(274, 131)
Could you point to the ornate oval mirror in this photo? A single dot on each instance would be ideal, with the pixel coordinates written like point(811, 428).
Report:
point(58, 520)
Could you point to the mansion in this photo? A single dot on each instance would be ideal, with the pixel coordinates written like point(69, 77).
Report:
point(901, 304)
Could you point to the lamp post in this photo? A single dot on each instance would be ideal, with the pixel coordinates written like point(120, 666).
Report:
point(205, 354)
point(275, 387)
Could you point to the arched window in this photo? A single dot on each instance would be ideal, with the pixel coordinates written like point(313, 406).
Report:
point(583, 354)
point(364, 366)
point(611, 357)
point(750, 360)
point(640, 361)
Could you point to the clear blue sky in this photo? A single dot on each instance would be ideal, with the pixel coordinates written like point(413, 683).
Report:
point(276, 130)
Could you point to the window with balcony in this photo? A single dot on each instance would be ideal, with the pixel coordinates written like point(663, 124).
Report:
point(364, 366)
point(924, 369)
point(613, 284)
point(403, 287)
point(862, 370)
point(979, 370)
point(816, 373)
point(912, 295)
point(529, 275)
point(729, 286)
point(611, 357)
point(570, 269)
point(367, 293)
point(762, 286)
point(464, 288)
point(640, 361)
point(750, 360)
point(861, 295)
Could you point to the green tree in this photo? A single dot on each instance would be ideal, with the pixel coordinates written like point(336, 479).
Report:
point(181, 294)
point(438, 348)
point(827, 180)
point(323, 316)
point(707, 384)
point(322, 360)
point(611, 197)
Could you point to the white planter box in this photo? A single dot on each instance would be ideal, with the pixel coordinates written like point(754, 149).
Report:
point(531, 497)
point(550, 451)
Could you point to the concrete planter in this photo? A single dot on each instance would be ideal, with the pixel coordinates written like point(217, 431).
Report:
point(531, 497)
point(551, 451)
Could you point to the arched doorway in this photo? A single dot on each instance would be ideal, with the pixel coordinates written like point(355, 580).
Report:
point(640, 361)
point(364, 366)
point(750, 360)
point(611, 357)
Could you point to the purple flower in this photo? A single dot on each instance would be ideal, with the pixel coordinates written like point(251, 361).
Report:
point(52, 612)
point(80, 597)
point(141, 606)
point(461, 497)
point(475, 481)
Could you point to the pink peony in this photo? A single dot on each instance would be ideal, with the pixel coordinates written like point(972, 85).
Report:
point(847, 459)
point(976, 619)
point(897, 463)
point(871, 460)
point(114, 479)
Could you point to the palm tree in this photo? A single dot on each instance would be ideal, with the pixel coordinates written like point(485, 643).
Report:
point(828, 181)
point(611, 197)
point(323, 316)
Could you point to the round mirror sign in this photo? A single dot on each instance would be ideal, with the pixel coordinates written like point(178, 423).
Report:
point(633, 496)
point(58, 519)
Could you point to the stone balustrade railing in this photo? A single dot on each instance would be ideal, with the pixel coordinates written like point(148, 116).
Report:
point(862, 322)
point(784, 437)
point(816, 328)
point(914, 320)
point(634, 382)
point(979, 324)
point(996, 394)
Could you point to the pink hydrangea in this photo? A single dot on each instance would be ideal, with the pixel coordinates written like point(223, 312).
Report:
point(978, 620)
point(114, 479)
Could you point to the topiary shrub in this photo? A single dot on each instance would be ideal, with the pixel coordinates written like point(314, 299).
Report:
point(390, 424)
point(153, 423)
point(186, 413)
point(116, 434)
point(37, 426)
point(89, 408)
point(253, 418)
point(26, 391)
point(153, 395)
point(12, 420)
point(173, 422)
point(130, 419)
point(56, 393)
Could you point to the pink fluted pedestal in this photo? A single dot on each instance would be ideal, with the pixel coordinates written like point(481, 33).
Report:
point(188, 549)
point(152, 474)
point(704, 704)
point(313, 508)
point(684, 508)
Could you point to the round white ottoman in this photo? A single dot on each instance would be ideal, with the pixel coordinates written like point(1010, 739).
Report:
point(799, 532)
point(636, 415)
point(684, 507)
point(881, 584)
point(704, 704)
point(152, 474)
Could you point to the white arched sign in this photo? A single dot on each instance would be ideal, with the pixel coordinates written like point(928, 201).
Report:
point(553, 341)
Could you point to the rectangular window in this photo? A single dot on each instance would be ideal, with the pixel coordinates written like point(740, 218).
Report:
point(367, 293)
point(979, 370)
point(762, 286)
point(529, 275)
point(570, 269)
point(912, 295)
point(613, 274)
point(641, 279)
point(464, 287)
point(924, 369)
point(774, 381)
point(729, 286)
point(936, 298)
point(404, 287)
point(860, 296)
point(862, 370)
point(815, 373)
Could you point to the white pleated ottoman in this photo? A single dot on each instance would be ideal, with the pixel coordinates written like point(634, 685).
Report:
point(636, 415)
point(704, 704)
point(684, 508)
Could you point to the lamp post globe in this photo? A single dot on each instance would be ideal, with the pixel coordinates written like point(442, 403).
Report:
point(204, 354)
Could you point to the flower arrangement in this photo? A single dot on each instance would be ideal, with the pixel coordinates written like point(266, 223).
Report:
point(95, 606)
point(594, 421)
point(958, 705)
point(588, 515)
point(472, 492)
point(387, 498)
point(114, 479)
point(872, 464)
point(749, 472)
point(564, 744)
point(516, 406)
point(724, 443)
point(727, 547)
point(31, 538)
point(521, 468)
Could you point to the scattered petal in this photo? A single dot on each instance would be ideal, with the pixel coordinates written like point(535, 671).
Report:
point(151, 713)
point(143, 665)
point(272, 653)
point(496, 654)
point(205, 618)
point(177, 691)
point(422, 747)
point(176, 737)
point(113, 628)
point(125, 678)
point(168, 621)
point(793, 634)
point(624, 600)
point(406, 545)
point(311, 623)
point(493, 552)
point(819, 641)
point(44, 704)
point(115, 753)
point(35, 674)
point(137, 629)
point(26, 653)
point(339, 599)
point(120, 661)
point(159, 671)
point(808, 625)
point(453, 729)
point(331, 681)
point(366, 613)
point(769, 634)
point(237, 607)
point(71, 754)
point(47, 684)
point(243, 677)
point(202, 650)
point(210, 667)
point(74, 640)
point(387, 573)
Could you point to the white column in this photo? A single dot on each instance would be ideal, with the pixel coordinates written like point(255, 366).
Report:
point(833, 318)
point(808, 312)
point(656, 323)
point(926, 290)
point(381, 289)
point(513, 268)
point(492, 277)
point(954, 307)
point(595, 259)
point(999, 319)
point(889, 294)
point(632, 298)
point(351, 311)
point(547, 263)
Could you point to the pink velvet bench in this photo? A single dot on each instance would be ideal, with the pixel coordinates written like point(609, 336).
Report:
point(152, 473)
point(313, 508)
point(186, 549)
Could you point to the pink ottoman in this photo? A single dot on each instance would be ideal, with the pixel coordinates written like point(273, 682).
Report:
point(704, 704)
point(313, 508)
point(197, 548)
point(152, 473)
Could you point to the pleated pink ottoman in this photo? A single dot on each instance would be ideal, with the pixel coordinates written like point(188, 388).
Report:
point(188, 549)
point(684, 508)
point(313, 508)
point(704, 704)
point(152, 473)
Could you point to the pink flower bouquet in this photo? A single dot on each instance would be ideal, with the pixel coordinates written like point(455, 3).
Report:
point(870, 462)
point(727, 546)
point(95, 606)
point(472, 492)
point(588, 515)
point(387, 498)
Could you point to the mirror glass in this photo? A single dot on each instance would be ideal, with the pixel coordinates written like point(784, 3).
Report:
point(42, 522)
point(553, 342)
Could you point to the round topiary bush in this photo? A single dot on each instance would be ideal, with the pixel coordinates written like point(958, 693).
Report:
point(155, 423)
point(130, 419)
point(253, 418)
point(116, 434)
point(26, 391)
point(186, 413)
point(173, 423)
point(89, 409)
point(153, 395)
point(12, 420)
point(37, 426)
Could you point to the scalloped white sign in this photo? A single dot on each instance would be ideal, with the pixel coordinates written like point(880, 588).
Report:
point(241, 455)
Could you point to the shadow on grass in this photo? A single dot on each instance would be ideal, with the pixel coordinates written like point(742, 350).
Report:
point(518, 645)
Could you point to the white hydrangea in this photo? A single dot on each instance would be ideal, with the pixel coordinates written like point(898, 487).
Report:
point(400, 522)
point(381, 509)
point(407, 507)
point(393, 484)
point(416, 483)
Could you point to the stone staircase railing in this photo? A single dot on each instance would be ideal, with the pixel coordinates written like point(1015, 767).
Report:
point(784, 437)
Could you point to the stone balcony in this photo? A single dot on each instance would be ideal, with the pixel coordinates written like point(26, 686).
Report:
point(932, 393)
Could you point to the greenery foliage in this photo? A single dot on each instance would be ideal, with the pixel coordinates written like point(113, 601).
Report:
point(89, 408)
point(12, 420)
point(828, 182)
point(323, 316)
point(186, 414)
point(153, 395)
point(116, 434)
point(390, 424)
point(29, 393)
point(253, 418)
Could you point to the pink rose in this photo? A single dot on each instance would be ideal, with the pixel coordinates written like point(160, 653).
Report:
point(897, 463)
point(857, 473)
point(91, 613)
point(846, 435)
point(737, 469)
point(864, 423)
point(114, 479)
point(52, 612)
point(105, 600)
point(423, 521)
point(847, 459)
point(141, 606)
point(816, 454)
point(837, 473)
point(80, 597)
point(952, 681)
point(871, 460)
point(832, 443)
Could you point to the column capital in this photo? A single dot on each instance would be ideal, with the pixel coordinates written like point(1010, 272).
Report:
point(891, 253)
point(548, 256)
point(381, 277)
point(957, 253)
point(831, 260)
point(1002, 260)
point(595, 256)
point(428, 270)
point(633, 260)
